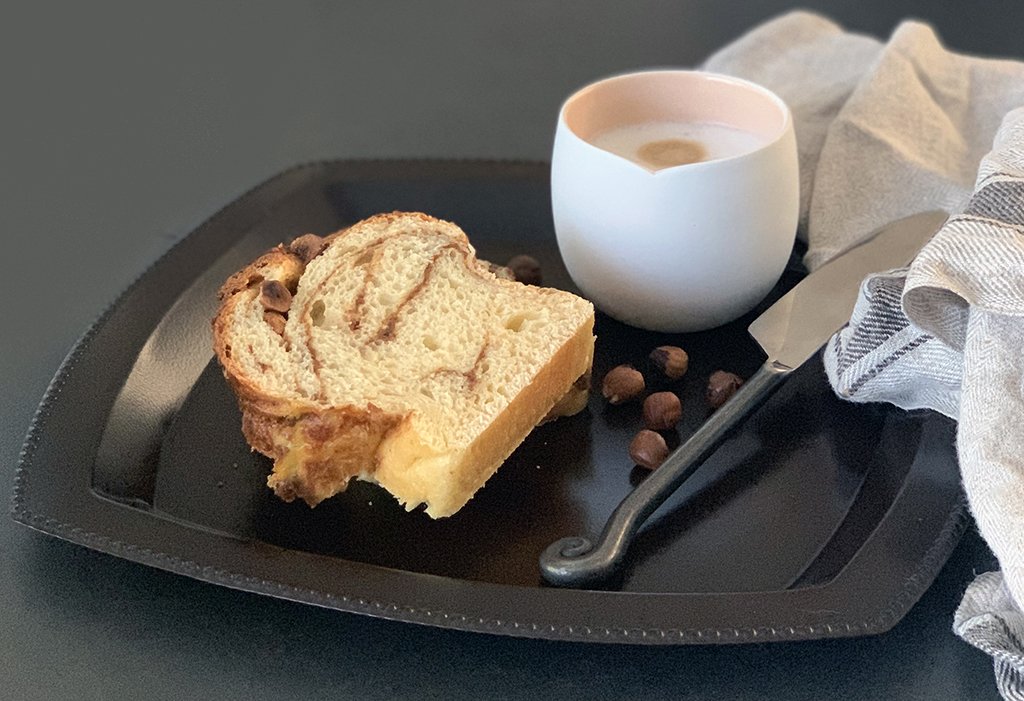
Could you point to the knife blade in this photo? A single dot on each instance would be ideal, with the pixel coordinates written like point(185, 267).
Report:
point(800, 323)
point(790, 332)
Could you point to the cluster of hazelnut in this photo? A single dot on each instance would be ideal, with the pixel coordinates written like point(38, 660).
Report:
point(661, 410)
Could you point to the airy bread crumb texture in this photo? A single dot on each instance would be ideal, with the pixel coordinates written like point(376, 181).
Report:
point(403, 360)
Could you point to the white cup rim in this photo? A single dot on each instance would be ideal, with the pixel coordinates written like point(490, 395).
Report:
point(779, 103)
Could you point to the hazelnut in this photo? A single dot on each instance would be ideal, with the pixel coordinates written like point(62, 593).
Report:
point(622, 384)
point(721, 386)
point(274, 296)
point(307, 247)
point(526, 270)
point(662, 411)
point(671, 360)
point(648, 449)
point(276, 321)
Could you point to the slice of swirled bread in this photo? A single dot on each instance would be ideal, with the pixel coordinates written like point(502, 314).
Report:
point(388, 352)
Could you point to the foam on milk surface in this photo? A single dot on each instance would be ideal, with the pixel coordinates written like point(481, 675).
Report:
point(655, 145)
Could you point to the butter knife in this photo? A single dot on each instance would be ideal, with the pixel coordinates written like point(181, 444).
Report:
point(790, 332)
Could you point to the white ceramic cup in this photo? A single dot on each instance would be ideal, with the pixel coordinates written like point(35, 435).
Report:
point(687, 247)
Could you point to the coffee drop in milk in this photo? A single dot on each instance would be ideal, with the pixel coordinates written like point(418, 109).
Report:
point(657, 145)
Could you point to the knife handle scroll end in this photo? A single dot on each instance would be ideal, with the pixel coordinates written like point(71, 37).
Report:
point(575, 561)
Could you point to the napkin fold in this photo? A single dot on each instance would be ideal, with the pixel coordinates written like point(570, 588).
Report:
point(889, 129)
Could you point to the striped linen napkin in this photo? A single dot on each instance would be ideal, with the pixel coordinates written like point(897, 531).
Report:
point(885, 130)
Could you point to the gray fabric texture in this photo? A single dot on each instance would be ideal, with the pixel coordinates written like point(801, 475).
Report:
point(886, 130)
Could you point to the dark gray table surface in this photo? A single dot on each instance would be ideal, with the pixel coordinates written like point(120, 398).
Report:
point(123, 126)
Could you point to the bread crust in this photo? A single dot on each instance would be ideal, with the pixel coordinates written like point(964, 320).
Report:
point(339, 442)
point(317, 448)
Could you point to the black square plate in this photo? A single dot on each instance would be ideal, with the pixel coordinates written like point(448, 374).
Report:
point(818, 519)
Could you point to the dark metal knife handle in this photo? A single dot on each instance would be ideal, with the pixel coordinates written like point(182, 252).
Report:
point(575, 561)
